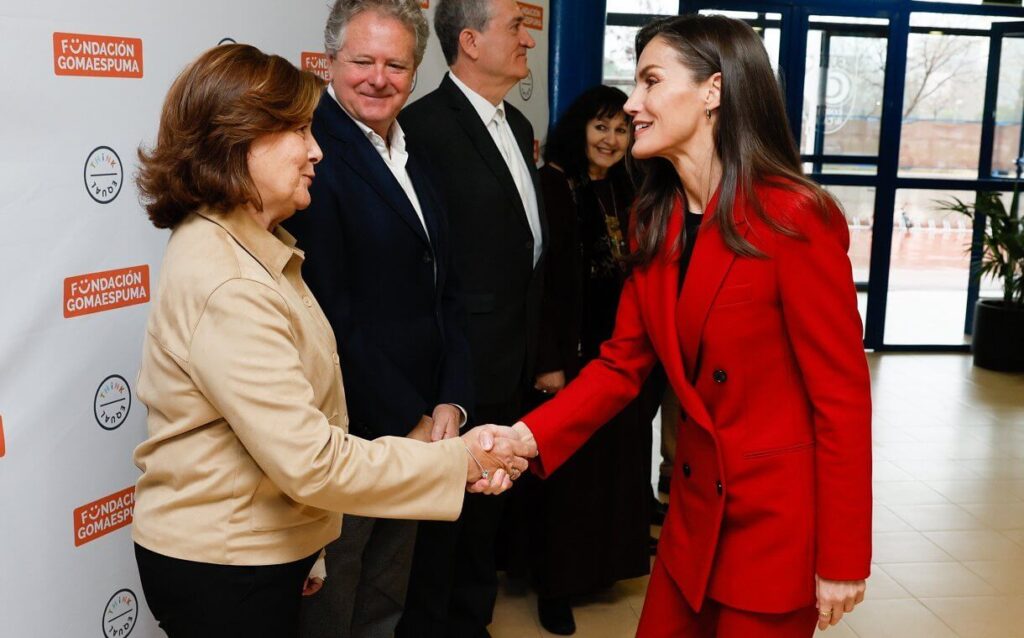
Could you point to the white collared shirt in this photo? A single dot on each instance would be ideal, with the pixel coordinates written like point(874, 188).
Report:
point(396, 157)
point(493, 118)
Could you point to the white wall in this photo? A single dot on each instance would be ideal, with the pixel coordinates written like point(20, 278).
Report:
point(68, 416)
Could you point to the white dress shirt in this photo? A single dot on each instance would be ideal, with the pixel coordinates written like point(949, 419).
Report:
point(395, 157)
point(493, 118)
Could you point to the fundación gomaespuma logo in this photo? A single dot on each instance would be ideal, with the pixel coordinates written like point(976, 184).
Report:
point(534, 16)
point(112, 403)
point(104, 516)
point(120, 614)
point(107, 56)
point(317, 63)
point(103, 174)
point(100, 291)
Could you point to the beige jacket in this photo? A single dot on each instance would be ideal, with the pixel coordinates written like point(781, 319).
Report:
point(248, 457)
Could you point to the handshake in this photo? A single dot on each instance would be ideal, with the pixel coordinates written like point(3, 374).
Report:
point(497, 456)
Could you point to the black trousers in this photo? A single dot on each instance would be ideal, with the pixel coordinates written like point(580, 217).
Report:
point(191, 599)
point(454, 582)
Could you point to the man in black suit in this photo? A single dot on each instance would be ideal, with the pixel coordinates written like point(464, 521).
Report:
point(378, 259)
point(482, 150)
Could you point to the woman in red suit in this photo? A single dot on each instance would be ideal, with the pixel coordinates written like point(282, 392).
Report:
point(743, 290)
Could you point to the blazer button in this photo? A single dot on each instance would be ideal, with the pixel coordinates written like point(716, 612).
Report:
point(719, 376)
point(308, 302)
point(427, 257)
point(686, 470)
point(335, 358)
point(718, 487)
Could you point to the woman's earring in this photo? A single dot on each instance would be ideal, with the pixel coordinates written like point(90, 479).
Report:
point(707, 111)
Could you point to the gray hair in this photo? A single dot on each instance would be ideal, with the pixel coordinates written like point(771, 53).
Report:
point(452, 16)
point(407, 12)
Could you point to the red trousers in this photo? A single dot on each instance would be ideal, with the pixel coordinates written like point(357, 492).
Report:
point(667, 615)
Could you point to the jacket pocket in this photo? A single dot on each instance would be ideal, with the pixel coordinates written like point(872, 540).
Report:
point(785, 449)
point(732, 295)
point(479, 303)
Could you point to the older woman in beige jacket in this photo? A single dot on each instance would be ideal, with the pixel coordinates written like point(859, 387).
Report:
point(248, 463)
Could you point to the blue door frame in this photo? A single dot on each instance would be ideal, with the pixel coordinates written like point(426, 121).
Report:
point(792, 59)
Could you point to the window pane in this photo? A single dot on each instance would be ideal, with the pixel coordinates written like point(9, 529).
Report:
point(843, 97)
point(619, 57)
point(858, 204)
point(741, 15)
point(662, 7)
point(847, 20)
point(859, 207)
point(956, 20)
point(944, 96)
point(765, 24)
point(1009, 109)
point(929, 270)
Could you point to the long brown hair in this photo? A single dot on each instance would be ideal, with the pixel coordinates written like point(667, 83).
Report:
point(752, 136)
point(220, 103)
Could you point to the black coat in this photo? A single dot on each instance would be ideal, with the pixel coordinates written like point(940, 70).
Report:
point(401, 334)
point(491, 238)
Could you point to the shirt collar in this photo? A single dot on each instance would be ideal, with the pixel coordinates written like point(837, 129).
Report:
point(396, 136)
point(483, 108)
point(272, 250)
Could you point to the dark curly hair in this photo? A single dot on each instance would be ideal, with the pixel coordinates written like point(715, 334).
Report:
point(567, 142)
point(220, 103)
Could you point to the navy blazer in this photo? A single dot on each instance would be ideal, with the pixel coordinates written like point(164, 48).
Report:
point(400, 330)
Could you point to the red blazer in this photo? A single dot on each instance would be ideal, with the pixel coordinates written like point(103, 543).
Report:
point(772, 478)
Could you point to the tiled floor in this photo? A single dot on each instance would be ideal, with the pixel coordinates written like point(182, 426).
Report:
point(949, 514)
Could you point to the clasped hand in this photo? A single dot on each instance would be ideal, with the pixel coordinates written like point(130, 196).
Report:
point(497, 455)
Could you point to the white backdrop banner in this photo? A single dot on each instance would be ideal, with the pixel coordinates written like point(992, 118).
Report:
point(83, 83)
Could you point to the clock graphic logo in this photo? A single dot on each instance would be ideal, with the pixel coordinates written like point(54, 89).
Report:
point(103, 174)
point(526, 87)
point(120, 614)
point(112, 402)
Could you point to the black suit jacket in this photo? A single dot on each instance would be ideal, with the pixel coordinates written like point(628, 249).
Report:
point(401, 334)
point(491, 238)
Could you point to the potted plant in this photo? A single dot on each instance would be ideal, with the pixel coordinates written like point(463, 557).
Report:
point(998, 342)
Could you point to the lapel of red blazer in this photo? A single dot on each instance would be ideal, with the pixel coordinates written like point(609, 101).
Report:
point(662, 294)
point(709, 264)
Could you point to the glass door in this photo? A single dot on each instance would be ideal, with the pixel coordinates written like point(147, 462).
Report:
point(1002, 135)
point(844, 76)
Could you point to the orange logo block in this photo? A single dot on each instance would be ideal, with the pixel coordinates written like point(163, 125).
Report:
point(104, 516)
point(534, 16)
point(317, 63)
point(424, 4)
point(100, 291)
point(106, 56)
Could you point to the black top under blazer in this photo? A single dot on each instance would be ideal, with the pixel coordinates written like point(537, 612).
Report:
point(401, 335)
point(491, 239)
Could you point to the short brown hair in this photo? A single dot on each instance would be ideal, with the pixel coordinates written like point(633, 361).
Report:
point(220, 103)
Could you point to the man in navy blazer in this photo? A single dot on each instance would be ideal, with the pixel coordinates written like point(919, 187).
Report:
point(378, 259)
